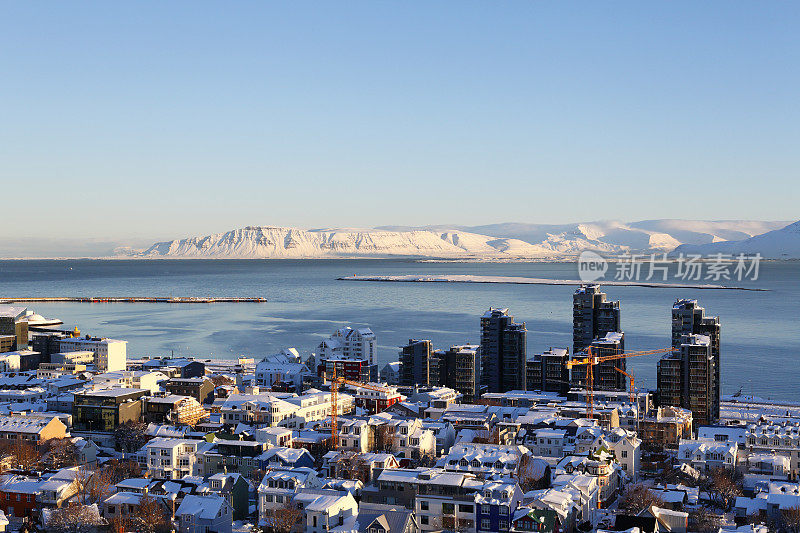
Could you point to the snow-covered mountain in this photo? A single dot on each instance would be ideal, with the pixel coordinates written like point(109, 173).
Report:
point(272, 242)
point(534, 241)
point(782, 243)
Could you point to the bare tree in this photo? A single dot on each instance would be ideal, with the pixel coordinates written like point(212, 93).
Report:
point(60, 453)
point(25, 455)
point(98, 485)
point(637, 498)
point(74, 519)
point(131, 436)
point(485, 436)
point(703, 520)
point(724, 486)
point(285, 519)
point(150, 516)
point(385, 438)
point(790, 519)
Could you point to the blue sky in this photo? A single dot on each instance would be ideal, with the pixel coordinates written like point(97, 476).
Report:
point(154, 120)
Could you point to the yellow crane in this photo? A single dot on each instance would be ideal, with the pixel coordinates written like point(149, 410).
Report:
point(590, 360)
point(630, 379)
point(335, 383)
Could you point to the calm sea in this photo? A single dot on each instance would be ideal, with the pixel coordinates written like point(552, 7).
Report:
point(760, 337)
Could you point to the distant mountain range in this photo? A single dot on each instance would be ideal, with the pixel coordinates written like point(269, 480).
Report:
point(511, 240)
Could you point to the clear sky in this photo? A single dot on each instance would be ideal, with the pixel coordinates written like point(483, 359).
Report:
point(157, 120)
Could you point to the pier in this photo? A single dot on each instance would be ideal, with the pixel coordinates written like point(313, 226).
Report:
point(133, 299)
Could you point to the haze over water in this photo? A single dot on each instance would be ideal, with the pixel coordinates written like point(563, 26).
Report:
point(760, 347)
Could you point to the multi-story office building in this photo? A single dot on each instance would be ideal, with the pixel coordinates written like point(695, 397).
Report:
point(592, 316)
point(350, 345)
point(503, 351)
point(548, 372)
point(688, 318)
point(105, 410)
point(415, 363)
point(605, 374)
point(688, 379)
point(460, 368)
point(109, 354)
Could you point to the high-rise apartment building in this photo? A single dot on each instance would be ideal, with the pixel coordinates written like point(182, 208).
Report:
point(688, 318)
point(460, 368)
point(592, 316)
point(548, 372)
point(352, 351)
point(687, 378)
point(605, 374)
point(415, 363)
point(503, 351)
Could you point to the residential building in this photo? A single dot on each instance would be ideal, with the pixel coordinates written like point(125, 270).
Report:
point(592, 316)
point(355, 352)
point(201, 389)
point(706, 454)
point(548, 371)
point(503, 351)
point(109, 354)
point(105, 410)
point(282, 409)
point(415, 363)
point(390, 373)
point(606, 376)
point(377, 518)
point(460, 369)
point(204, 514)
point(666, 427)
point(176, 367)
point(688, 318)
point(687, 378)
point(171, 458)
point(283, 368)
point(34, 430)
point(173, 409)
point(496, 504)
point(235, 489)
point(777, 438)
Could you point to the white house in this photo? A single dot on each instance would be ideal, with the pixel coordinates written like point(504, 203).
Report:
point(706, 454)
point(169, 458)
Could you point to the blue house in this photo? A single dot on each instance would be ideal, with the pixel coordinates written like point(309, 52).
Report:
point(495, 505)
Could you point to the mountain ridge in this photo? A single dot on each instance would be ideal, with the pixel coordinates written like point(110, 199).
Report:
point(509, 240)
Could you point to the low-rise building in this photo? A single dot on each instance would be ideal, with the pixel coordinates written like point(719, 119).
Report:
point(200, 388)
point(105, 410)
point(706, 454)
point(204, 514)
point(34, 430)
point(169, 458)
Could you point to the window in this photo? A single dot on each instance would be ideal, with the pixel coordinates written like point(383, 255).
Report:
point(485, 523)
point(424, 520)
point(423, 505)
point(624, 453)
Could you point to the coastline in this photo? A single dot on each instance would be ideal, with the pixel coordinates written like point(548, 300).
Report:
point(457, 278)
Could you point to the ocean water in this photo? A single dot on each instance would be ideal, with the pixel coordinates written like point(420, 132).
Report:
point(760, 335)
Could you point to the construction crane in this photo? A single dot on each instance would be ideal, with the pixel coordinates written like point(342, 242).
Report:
point(590, 360)
point(335, 383)
point(630, 379)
